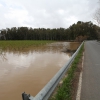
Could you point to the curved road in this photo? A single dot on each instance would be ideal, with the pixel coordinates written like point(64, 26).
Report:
point(91, 72)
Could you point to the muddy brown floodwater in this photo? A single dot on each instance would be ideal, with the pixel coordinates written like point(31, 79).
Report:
point(31, 69)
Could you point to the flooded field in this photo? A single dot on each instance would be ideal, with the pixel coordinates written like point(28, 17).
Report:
point(30, 70)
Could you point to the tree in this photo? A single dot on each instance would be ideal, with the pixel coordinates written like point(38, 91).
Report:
point(97, 20)
point(97, 15)
point(78, 32)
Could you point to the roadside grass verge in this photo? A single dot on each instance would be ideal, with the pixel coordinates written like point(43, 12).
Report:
point(64, 92)
point(21, 44)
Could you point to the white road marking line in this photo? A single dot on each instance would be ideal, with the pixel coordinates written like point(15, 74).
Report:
point(78, 96)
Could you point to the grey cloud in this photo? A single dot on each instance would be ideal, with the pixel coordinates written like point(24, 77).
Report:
point(45, 13)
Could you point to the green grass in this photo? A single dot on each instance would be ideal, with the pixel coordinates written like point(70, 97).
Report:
point(21, 44)
point(64, 92)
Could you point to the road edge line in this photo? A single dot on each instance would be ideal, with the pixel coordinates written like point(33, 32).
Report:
point(78, 96)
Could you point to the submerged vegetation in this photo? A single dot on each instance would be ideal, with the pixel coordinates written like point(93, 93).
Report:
point(17, 45)
point(64, 92)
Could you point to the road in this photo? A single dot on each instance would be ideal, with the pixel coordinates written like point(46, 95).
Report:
point(91, 72)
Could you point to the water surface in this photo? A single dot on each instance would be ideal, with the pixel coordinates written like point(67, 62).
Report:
point(30, 70)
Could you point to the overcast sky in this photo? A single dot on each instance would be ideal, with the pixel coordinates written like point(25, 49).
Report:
point(45, 13)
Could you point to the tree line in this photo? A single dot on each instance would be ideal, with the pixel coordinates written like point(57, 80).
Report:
point(97, 19)
point(77, 32)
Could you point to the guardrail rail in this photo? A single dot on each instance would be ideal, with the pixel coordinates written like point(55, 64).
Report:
point(45, 93)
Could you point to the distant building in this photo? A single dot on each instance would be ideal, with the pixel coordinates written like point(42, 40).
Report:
point(2, 36)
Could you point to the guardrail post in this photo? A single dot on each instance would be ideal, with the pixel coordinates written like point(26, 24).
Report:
point(25, 96)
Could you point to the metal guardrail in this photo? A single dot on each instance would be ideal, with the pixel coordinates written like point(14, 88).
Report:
point(45, 93)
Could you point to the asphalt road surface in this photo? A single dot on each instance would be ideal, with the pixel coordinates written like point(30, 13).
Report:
point(91, 72)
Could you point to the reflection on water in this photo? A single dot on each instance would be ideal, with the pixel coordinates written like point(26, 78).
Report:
point(30, 70)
